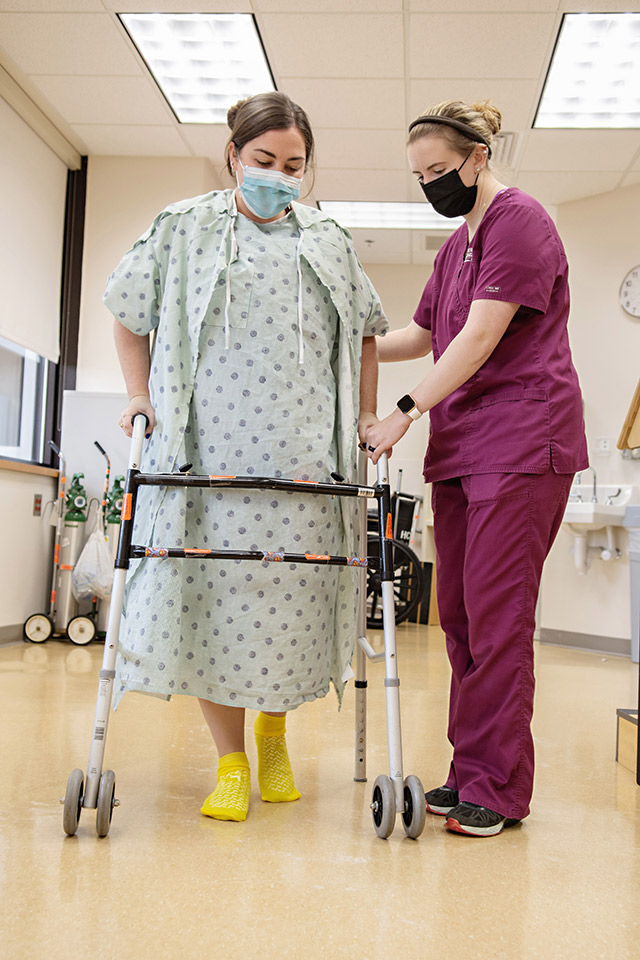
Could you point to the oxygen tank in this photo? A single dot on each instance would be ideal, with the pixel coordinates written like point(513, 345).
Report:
point(71, 542)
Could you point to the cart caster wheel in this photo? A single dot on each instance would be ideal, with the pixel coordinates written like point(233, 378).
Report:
point(73, 802)
point(81, 630)
point(383, 806)
point(106, 802)
point(415, 808)
point(38, 628)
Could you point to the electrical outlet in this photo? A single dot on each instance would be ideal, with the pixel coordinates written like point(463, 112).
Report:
point(37, 505)
point(602, 446)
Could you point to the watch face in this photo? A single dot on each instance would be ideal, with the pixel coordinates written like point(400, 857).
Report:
point(630, 292)
point(406, 403)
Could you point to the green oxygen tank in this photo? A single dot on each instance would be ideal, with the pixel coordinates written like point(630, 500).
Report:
point(114, 513)
point(71, 543)
point(112, 519)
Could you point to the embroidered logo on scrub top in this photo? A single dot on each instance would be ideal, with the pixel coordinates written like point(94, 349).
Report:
point(492, 289)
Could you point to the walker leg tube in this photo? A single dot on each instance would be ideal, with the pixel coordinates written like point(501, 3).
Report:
point(105, 690)
point(391, 682)
point(360, 772)
point(360, 659)
point(392, 689)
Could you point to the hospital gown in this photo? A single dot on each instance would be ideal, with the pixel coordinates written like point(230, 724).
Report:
point(243, 633)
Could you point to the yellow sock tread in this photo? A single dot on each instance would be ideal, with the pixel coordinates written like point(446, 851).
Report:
point(275, 777)
point(230, 799)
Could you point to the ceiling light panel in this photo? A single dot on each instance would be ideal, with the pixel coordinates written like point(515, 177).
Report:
point(202, 62)
point(594, 78)
point(388, 215)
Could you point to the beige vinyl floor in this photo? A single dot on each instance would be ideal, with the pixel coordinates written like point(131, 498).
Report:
point(311, 879)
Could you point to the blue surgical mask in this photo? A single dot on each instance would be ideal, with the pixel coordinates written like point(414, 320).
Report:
point(267, 192)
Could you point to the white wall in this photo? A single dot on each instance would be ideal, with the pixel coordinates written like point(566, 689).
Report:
point(601, 239)
point(25, 561)
point(124, 194)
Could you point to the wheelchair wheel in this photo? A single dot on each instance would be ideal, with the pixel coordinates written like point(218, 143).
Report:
point(408, 582)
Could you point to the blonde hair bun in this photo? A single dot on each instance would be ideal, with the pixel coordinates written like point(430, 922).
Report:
point(491, 114)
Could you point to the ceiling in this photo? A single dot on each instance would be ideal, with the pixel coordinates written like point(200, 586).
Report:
point(362, 69)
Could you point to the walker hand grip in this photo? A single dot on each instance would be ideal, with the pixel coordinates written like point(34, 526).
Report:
point(383, 468)
point(136, 419)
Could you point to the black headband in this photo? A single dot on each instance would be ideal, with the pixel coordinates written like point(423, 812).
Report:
point(456, 124)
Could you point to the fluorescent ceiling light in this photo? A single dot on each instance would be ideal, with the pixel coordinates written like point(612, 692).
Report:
point(202, 62)
point(594, 78)
point(392, 216)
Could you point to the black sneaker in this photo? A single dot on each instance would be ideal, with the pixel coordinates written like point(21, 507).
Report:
point(477, 821)
point(441, 800)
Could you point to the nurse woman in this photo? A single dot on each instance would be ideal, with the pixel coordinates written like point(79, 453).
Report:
point(506, 437)
point(263, 364)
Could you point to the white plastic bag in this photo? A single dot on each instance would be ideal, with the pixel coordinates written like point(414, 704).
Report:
point(93, 573)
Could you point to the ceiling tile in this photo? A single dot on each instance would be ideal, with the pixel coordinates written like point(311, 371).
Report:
point(132, 141)
point(382, 246)
point(105, 99)
point(488, 6)
point(584, 150)
point(631, 179)
point(206, 140)
point(53, 6)
point(370, 104)
point(328, 6)
point(67, 43)
point(365, 149)
point(598, 6)
point(334, 184)
point(463, 45)
point(335, 45)
point(514, 98)
point(179, 6)
point(562, 186)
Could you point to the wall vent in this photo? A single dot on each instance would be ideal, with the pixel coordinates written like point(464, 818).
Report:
point(504, 147)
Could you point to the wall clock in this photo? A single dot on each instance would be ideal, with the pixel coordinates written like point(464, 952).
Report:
point(630, 292)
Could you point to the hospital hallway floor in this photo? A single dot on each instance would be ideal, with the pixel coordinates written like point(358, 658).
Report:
point(311, 878)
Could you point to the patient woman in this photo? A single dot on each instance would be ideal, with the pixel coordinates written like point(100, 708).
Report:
point(264, 363)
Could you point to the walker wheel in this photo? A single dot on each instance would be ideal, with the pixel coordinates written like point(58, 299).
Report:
point(73, 802)
point(106, 802)
point(415, 808)
point(383, 806)
point(38, 628)
point(81, 630)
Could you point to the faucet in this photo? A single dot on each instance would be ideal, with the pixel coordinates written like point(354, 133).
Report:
point(578, 480)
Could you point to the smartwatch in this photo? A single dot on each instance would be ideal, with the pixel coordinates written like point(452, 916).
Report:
point(408, 405)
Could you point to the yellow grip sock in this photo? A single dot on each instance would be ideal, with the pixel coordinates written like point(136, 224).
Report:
point(275, 776)
point(230, 799)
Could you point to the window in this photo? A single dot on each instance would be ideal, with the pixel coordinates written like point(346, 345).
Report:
point(23, 383)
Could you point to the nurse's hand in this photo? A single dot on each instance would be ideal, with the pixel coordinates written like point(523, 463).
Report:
point(382, 436)
point(138, 404)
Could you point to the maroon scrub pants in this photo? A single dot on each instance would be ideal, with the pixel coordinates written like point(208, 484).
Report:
point(492, 534)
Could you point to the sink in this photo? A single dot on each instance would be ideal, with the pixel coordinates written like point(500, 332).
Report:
point(583, 516)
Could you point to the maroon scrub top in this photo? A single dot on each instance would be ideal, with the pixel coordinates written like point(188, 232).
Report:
point(521, 412)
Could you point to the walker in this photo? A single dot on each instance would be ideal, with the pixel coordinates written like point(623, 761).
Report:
point(391, 794)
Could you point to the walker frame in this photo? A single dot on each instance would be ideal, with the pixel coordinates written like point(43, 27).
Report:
point(392, 794)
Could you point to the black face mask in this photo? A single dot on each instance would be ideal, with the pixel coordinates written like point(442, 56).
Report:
point(449, 196)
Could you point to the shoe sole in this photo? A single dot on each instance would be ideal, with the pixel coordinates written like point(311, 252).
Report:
point(439, 811)
point(456, 827)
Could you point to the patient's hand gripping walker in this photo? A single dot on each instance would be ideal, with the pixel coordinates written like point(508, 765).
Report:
point(391, 794)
